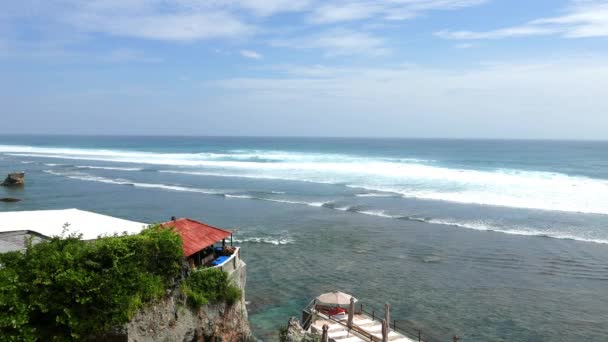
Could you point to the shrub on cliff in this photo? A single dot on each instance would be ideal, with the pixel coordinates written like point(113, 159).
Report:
point(209, 285)
point(68, 289)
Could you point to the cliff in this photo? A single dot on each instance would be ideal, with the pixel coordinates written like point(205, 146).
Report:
point(172, 320)
point(119, 288)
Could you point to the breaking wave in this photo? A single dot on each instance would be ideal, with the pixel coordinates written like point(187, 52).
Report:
point(266, 239)
point(105, 167)
point(332, 205)
point(411, 178)
point(120, 181)
point(527, 231)
point(375, 194)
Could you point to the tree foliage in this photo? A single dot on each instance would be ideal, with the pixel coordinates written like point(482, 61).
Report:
point(69, 289)
point(209, 285)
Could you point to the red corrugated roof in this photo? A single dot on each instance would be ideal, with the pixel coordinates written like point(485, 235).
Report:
point(196, 235)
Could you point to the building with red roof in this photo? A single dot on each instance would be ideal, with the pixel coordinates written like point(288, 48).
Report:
point(199, 242)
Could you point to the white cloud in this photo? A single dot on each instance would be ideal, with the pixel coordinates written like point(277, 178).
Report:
point(550, 99)
point(271, 7)
point(583, 19)
point(175, 27)
point(517, 31)
point(152, 20)
point(195, 20)
point(351, 10)
point(332, 13)
point(250, 54)
point(338, 42)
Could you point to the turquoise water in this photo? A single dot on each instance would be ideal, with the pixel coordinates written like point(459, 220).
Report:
point(490, 240)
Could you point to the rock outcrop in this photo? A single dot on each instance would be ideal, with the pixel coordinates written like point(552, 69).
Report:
point(172, 320)
point(295, 333)
point(14, 179)
point(9, 199)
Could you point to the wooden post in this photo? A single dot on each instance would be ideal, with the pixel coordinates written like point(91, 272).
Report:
point(230, 240)
point(456, 338)
point(373, 315)
point(325, 337)
point(419, 336)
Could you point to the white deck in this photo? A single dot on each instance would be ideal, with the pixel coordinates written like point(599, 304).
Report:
point(339, 332)
point(51, 223)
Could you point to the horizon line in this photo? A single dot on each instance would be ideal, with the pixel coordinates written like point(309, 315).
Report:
point(303, 137)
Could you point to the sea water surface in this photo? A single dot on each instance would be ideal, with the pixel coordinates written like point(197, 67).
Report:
point(490, 240)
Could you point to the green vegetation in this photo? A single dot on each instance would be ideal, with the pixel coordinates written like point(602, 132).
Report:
point(210, 285)
point(304, 337)
point(69, 289)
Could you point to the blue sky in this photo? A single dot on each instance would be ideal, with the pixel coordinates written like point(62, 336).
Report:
point(405, 68)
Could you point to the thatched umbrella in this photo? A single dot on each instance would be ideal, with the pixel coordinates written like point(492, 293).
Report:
point(384, 331)
point(335, 299)
point(325, 337)
point(351, 312)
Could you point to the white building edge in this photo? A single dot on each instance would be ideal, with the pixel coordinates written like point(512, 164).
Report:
point(15, 226)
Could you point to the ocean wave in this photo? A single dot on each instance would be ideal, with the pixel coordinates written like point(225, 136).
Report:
point(249, 176)
point(491, 227)
point(239, 196)
point(332, 205)
point(409, 178)
point(104, 167)
point(376, 194)
point(310, 204)
point(379, 213)
point(120, 181)
point(266, 239)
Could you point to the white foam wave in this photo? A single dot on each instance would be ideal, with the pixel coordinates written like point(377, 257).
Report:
point(239, 196)
point(379, 213)
point(268, 240)
point(375, 194)
point(120, 181)
point(477, 225)
point(104, 167)
point(409, 178)
point(245, 175)
point(310, 204)
point(526, 231)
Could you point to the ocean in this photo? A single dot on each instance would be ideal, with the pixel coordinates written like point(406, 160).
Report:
point(491, 240)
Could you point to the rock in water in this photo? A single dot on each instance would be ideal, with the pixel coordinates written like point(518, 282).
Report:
point(9, 199)
point(14, 179)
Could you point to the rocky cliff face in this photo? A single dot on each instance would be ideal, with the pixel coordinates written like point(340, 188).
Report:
point(172, 320)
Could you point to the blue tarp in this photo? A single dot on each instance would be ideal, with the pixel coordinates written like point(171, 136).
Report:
point(220, 260)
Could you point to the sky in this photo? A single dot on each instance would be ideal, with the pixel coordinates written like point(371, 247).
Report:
point(385, 68)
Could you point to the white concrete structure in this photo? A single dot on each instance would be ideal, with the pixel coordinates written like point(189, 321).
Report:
point(52, 222)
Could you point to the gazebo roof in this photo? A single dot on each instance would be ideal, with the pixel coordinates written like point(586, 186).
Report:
point(196, 235)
